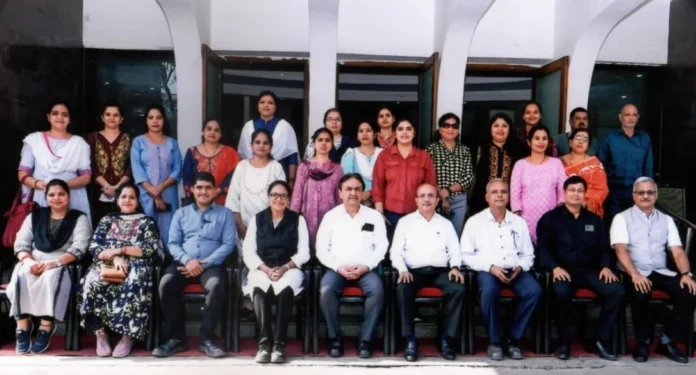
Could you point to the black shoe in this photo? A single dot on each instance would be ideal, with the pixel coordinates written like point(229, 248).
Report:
point(24, 339)
point(278, 355)
point(169, 348)
point(211, 349)
point(411, 351)
point(43, 340)
point(495, 352)
point(336, 348)
point(447, 351)
point(365, 349)
point(264, 353)
point(563, 352)
point(514, 352)
point(671, 352)
point(604, 352)
point(640, 353)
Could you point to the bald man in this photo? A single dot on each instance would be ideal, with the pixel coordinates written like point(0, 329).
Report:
point(627, 155)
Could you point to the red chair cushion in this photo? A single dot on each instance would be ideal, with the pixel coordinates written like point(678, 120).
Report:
point(352, 291)
point(507, 293)
point(658, 294)
point(430, 292)
point(585, 293)
point(194, 289)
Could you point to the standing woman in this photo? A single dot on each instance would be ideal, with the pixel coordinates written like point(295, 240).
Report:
point(341, 143)
point(537, 181)
point(156, 164)
point(56, 154)
point(316, 192)
point(248, 193)
point(453, 170)
point(285, 149)
point(385, 119)
point(497, 153)
point(212, 157)
point(577, 162)
point(532, 117)
point(398, 173)
point(110, 160)
point(362, 159)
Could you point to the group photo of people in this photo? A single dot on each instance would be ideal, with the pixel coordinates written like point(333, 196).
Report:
point(523, 211)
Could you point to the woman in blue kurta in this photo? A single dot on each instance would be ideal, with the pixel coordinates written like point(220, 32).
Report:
point(156, 165)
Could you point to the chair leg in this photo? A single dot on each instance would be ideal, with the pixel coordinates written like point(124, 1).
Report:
point(462, 332)
point(306, 331)
point(229, 302)
point(471, 334)
point(236, 304)
point(315, 311)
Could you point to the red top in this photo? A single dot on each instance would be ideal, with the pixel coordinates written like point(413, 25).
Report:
point(396, 179)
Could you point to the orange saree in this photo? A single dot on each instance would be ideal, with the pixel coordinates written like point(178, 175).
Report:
point(592, 171)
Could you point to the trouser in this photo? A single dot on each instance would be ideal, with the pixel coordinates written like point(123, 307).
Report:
point(611, 297)
point(263, 302)
point(393, 218)
point(454, 298)
point(619, 199)
point(677, 320)
point(213, 279)
point(458, 208)
point(526, 289)
point(332, 285)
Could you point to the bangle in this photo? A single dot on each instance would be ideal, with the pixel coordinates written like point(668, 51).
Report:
point(21, 181)
point(33, 185)
point(287, 267)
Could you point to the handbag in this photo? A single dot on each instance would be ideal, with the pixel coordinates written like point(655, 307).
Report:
point(15, 217)
point(110, 274)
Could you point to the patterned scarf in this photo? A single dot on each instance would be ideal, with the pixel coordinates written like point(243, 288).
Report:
point(317, 174)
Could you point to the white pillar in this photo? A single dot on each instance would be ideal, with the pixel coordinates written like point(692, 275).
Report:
point(183, 26)
point(323, 45)
point(461, 18)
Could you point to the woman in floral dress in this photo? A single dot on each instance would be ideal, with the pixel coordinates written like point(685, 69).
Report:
point(131, 242)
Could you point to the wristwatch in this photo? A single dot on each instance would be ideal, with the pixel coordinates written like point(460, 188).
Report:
point(58, 263)
point(687, 273)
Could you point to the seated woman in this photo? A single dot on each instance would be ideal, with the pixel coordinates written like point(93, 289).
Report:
point(50, 238)
point(130, 242)
point(275, 247)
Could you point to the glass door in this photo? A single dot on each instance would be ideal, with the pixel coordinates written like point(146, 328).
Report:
point(550, 89)
point(212, 83)
point(427, 100)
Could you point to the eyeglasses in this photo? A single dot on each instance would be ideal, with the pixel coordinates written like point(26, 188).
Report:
point(278, 196)
point(649, 193)
point(426, 196)
point(581, 139)
point(333, 119)
point(447, 125)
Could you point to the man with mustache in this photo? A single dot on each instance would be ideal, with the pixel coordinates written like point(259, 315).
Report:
point(496, 243)
point(578, 119)
point(351, 243)
point(426, 252)
point(642, 237)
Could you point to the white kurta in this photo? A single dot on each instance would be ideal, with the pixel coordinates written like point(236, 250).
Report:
point(248, 192)
point(293, 278)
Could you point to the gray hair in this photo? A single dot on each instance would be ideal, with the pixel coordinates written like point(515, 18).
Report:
point(642, 180)
point(488, 185)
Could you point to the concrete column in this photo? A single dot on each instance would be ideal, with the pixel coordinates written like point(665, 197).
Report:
point(323, 45)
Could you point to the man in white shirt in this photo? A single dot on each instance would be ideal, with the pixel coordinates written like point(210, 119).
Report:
point(640, 236)
point(351, 243)
point(426, 252)
point(496, 243)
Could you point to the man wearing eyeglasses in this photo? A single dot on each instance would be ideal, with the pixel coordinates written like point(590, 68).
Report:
point(574, 246)
point(496, 243)
point(426, 252)
point(641, 236)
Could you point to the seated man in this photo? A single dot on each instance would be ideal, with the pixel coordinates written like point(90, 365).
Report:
point(426, 252)
point(574, 246)
point(201, 237)
point(640, 236)
point(351, 242)
point(496, 243)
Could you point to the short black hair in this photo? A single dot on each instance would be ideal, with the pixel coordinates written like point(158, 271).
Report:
point(349, 176)
point(275, 183)
point(576, 110)
point(574, 179)
point(205, 177)
point(268, 93)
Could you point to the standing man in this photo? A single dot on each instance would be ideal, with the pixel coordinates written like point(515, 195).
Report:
point(640, 235)
point(578, 119)
point(201, 237)
point(351, 243)
point(426, 252)
point(626, 155)
point(574, 246)
point(497, 244)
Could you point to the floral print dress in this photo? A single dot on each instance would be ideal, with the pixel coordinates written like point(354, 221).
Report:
point(121, 308)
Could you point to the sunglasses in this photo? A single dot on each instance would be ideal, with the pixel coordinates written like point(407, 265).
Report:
point(447, 125)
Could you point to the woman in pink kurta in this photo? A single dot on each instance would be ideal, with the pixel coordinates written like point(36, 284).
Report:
point(316, 189)
point(536, 186)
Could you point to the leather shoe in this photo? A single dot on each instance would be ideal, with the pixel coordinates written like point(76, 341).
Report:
point(365, 349)
point(604, 352)
point(169, 348)
point(447, 351)
point(640, 353)
point(670, 351)
point(514, 352)
point(495, 352)
point(211, 349)
point(336, 348)
point(411, 351)
point(563, 352)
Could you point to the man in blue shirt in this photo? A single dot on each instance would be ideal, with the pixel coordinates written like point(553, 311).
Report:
point(626, 155)
point(201, 237)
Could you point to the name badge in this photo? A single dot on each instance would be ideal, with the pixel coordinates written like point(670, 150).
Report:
point(589, 228)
